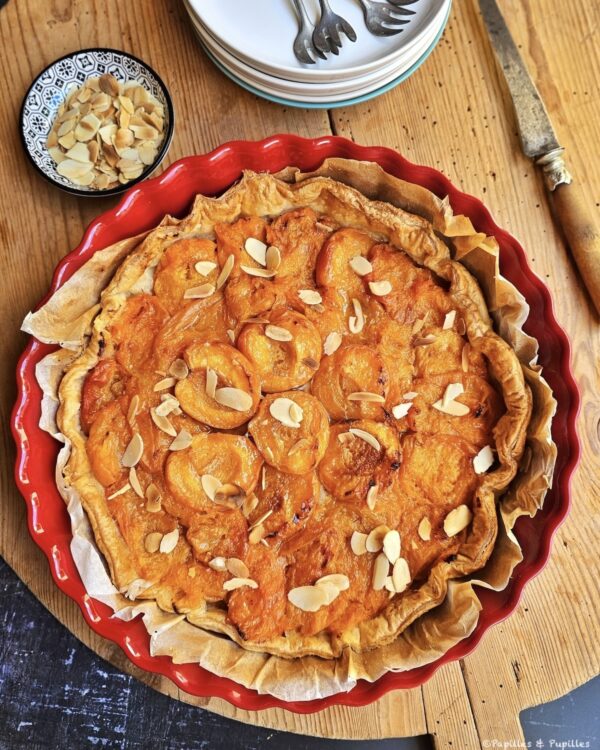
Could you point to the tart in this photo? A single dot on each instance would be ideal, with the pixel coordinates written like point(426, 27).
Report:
point(292, 421)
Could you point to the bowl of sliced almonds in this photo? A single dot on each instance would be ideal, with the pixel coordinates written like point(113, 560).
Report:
point(96, 121)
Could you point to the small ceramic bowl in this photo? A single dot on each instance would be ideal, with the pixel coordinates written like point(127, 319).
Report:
point(52, 86)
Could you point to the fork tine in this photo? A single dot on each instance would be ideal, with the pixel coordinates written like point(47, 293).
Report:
point(348, 30)
point(334, 35)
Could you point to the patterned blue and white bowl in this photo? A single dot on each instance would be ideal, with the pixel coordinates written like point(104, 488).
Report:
point(53, 85)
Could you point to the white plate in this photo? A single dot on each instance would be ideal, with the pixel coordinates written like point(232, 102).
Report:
point(314, 89)
point(274, 89)
point(261, 33)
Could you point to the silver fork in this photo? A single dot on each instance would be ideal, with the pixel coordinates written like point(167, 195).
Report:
point(380, 18)
point(326, 36)
point(304, 48)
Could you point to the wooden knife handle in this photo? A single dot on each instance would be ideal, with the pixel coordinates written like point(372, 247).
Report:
point(582, 232)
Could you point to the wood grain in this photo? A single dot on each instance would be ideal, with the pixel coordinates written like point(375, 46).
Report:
point(454, 114)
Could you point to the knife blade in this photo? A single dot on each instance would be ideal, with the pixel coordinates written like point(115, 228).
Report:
point(540, 143)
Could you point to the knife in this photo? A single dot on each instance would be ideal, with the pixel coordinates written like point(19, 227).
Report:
point(580, 228)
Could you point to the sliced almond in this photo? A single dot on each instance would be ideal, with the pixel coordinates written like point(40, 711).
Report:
point(381, 568)
point(357, 321)
point(374, 541)
point(237, 567)
point(339, 580)
point(453, 408)
point(249, 505)
point(257, 250)
point(424, 529)
point(67, 141)
point(358, 543)
point(204, 267)
point(134, 406)
point(87, 127)
point(238, 583)
point(163, 384)
point(125, 488)
point(230, 495)
point(134, 451)
point(210, 485)
point(135, 482)
point(372, 497)
point(257, 534)
point(457, 520)
point(374, 398)
point(410, 396)
point(65, 127)
point(263, 518)
point(79, 152)
point(281, 410)
point(401, 575)
point(299, 445)
point(401, 410)
point(464, 358)
point(264, 273)
point(163, 423)
point(200, 292)
point(389, 584)
point(332, 343)
point(360, 265)
point(308, 598)
point(449, 320)
point(380, 288)
point(331, 592)
point(152, 542)
point(296, 412)
point(73, 170)
point(231, 335)
point(273, 258)
point(453, 390)
point(56, 154)
point(179, 369)
point(234, 398)
point(218, 563)
point(417, 325)
point(211, 382)
point(225, 272)
point(181, 442)
point(424, 340)
point(366, 436)
point(169, 542)
point(277, 333)
point(461, 327)
point(483, 460)
point(147, 153)
point(310, 296)
point(109, 84)
point(153, 498)
point(391, 545)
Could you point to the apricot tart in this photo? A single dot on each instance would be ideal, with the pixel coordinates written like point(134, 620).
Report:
point(292, 421)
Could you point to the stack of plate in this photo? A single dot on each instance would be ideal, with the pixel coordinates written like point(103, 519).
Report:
point(251, 42)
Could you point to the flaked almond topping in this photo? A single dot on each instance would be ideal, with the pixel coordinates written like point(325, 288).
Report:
point(417, 325)
point(391, 545)
point(331, 591)
point(166, 407)
point(257, 534)
point(372, 497)
point(461, 327)
point(332, 343)
point(237, 567)
point(257, 250)
point(366, 436)
point(273, 258)
point(211, 382)
point(410, 396)
point(230, 495)
point(163, 384)
point(234, 398)
point(453, 390)
point(452, 407)
point(237, 583)
point(263, 478)
point(199, 292)
point(219, 564)
point(360, 265)
point(449, 320)
point(263, 273)
point(204, 267)
point(231, 335)
point(153, 498)
point(401, 410)
point(125, 488)
point(134, 451)
point(483, 460)
point(374, 540)
point(389, 584)
point(311, 363)
point(308, 598)
point(339, 580)
point(302, 444)
point(373, 398)
point(163, 423)
point(277, 333)
point(179, 369)
point(181, 442)
point(381, 568)
point(344, 437)
point(152, 542)
point(380, 288)
point(249, 505)
point(357, 321)
point(424, 529)
point(424, 340)
point(225, 271)
point(169, 542)
point(287, 412)
point(401, 575)
point(260, 521)
point(358, 543)
point(464, 358)
point(457, 520)
point(210, 485)
point(310, 296)
point(135, 482)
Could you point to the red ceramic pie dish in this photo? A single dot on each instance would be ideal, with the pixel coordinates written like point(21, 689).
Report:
point(141, 209)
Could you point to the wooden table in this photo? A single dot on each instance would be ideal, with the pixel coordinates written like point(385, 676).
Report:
point(453, 114)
